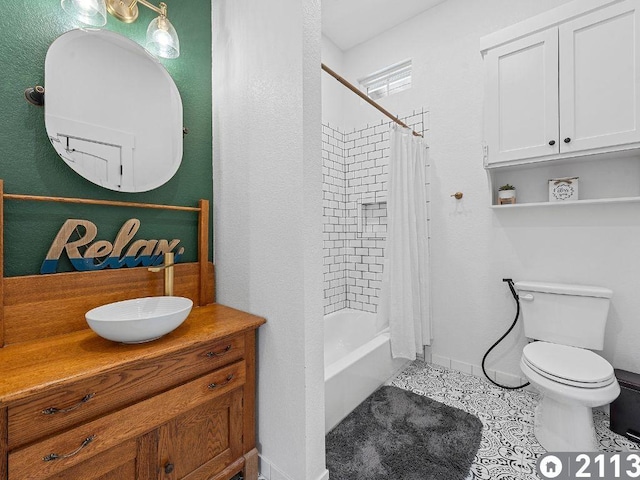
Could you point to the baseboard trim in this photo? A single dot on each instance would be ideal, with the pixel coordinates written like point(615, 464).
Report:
point(269, 471)
point(325, 475)
point(476, 370)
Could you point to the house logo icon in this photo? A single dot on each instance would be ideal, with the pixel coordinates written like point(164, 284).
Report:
point(550, 466)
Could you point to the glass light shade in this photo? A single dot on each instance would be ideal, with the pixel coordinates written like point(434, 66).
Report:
point(162, 38)
point(89, 12)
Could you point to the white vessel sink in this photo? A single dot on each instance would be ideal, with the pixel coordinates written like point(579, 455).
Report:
point(140, 319)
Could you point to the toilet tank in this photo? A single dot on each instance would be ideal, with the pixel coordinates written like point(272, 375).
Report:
point(566, 314)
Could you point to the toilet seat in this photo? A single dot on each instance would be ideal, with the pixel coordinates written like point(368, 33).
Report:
point(567, 365)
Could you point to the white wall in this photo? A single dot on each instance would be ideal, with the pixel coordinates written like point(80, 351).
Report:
point(332, 92)
point(474, 247)
point(268, 214)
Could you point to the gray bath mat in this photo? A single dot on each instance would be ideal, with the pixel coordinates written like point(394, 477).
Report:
point(398, 435)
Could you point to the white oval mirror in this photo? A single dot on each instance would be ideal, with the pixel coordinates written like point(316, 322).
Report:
point(112, 111)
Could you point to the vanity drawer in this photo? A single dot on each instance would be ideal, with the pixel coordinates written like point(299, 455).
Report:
point(56, 454)
point(65, 407)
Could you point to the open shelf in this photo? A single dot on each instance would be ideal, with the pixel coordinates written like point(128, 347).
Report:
point(603, 179)
point(593, 201)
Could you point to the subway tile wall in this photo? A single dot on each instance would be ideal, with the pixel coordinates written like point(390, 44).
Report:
point(355, 171)
point(334, 239)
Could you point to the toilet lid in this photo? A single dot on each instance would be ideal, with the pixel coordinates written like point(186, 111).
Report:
point(568, 365)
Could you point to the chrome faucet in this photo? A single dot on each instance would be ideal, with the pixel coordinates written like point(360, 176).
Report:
point(167, 266)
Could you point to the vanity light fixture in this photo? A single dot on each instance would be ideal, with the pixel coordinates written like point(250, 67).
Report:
point(162, 38)
point(89, 12)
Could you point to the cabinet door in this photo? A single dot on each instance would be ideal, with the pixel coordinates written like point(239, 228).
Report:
point(599, 76)
point(521, 103)
point(203, 441)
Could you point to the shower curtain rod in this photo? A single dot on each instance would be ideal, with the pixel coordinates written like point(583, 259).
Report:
point(367, 99)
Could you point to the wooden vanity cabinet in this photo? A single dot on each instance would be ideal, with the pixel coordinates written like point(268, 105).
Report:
point(202, 441)
point(119, 463)
point(181, 407)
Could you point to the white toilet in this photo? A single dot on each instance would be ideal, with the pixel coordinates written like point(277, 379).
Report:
point(566, 320)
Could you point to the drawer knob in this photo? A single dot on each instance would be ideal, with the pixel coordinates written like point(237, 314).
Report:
point(169, 467)
point(54, 410)
point(214, 385)
point(55, 456)
point(220, 353)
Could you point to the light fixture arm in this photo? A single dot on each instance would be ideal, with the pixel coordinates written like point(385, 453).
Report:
point(162, 38)
point(161, 9)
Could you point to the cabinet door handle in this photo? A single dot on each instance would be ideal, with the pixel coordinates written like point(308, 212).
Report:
point(54, 410)
point(55, 456)
point(567, 140)
point(214, 385)
point(220, 353)
point(552, 142)
point(168, 468)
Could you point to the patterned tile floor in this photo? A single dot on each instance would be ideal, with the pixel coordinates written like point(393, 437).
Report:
point(508, 449)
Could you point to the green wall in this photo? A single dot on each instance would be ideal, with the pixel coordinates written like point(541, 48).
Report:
point(29, 164)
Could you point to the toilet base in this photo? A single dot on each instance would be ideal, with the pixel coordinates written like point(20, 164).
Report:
point(563, 427)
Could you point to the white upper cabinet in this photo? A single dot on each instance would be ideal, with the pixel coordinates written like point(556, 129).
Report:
point(599, 59)
point(522, 98)
point(570, 89)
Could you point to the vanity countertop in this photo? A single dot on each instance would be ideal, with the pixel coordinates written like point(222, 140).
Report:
point(31, 367)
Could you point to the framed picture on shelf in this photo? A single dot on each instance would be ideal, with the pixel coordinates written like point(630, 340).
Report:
point(563, 189)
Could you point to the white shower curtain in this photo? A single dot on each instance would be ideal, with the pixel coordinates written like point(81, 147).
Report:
point(405, 289)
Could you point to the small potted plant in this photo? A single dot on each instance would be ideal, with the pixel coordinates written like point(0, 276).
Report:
point(507, 194)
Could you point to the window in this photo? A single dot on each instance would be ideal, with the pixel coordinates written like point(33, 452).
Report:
point(392, 79)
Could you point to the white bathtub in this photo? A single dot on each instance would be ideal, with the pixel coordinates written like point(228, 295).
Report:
point(356, 362)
